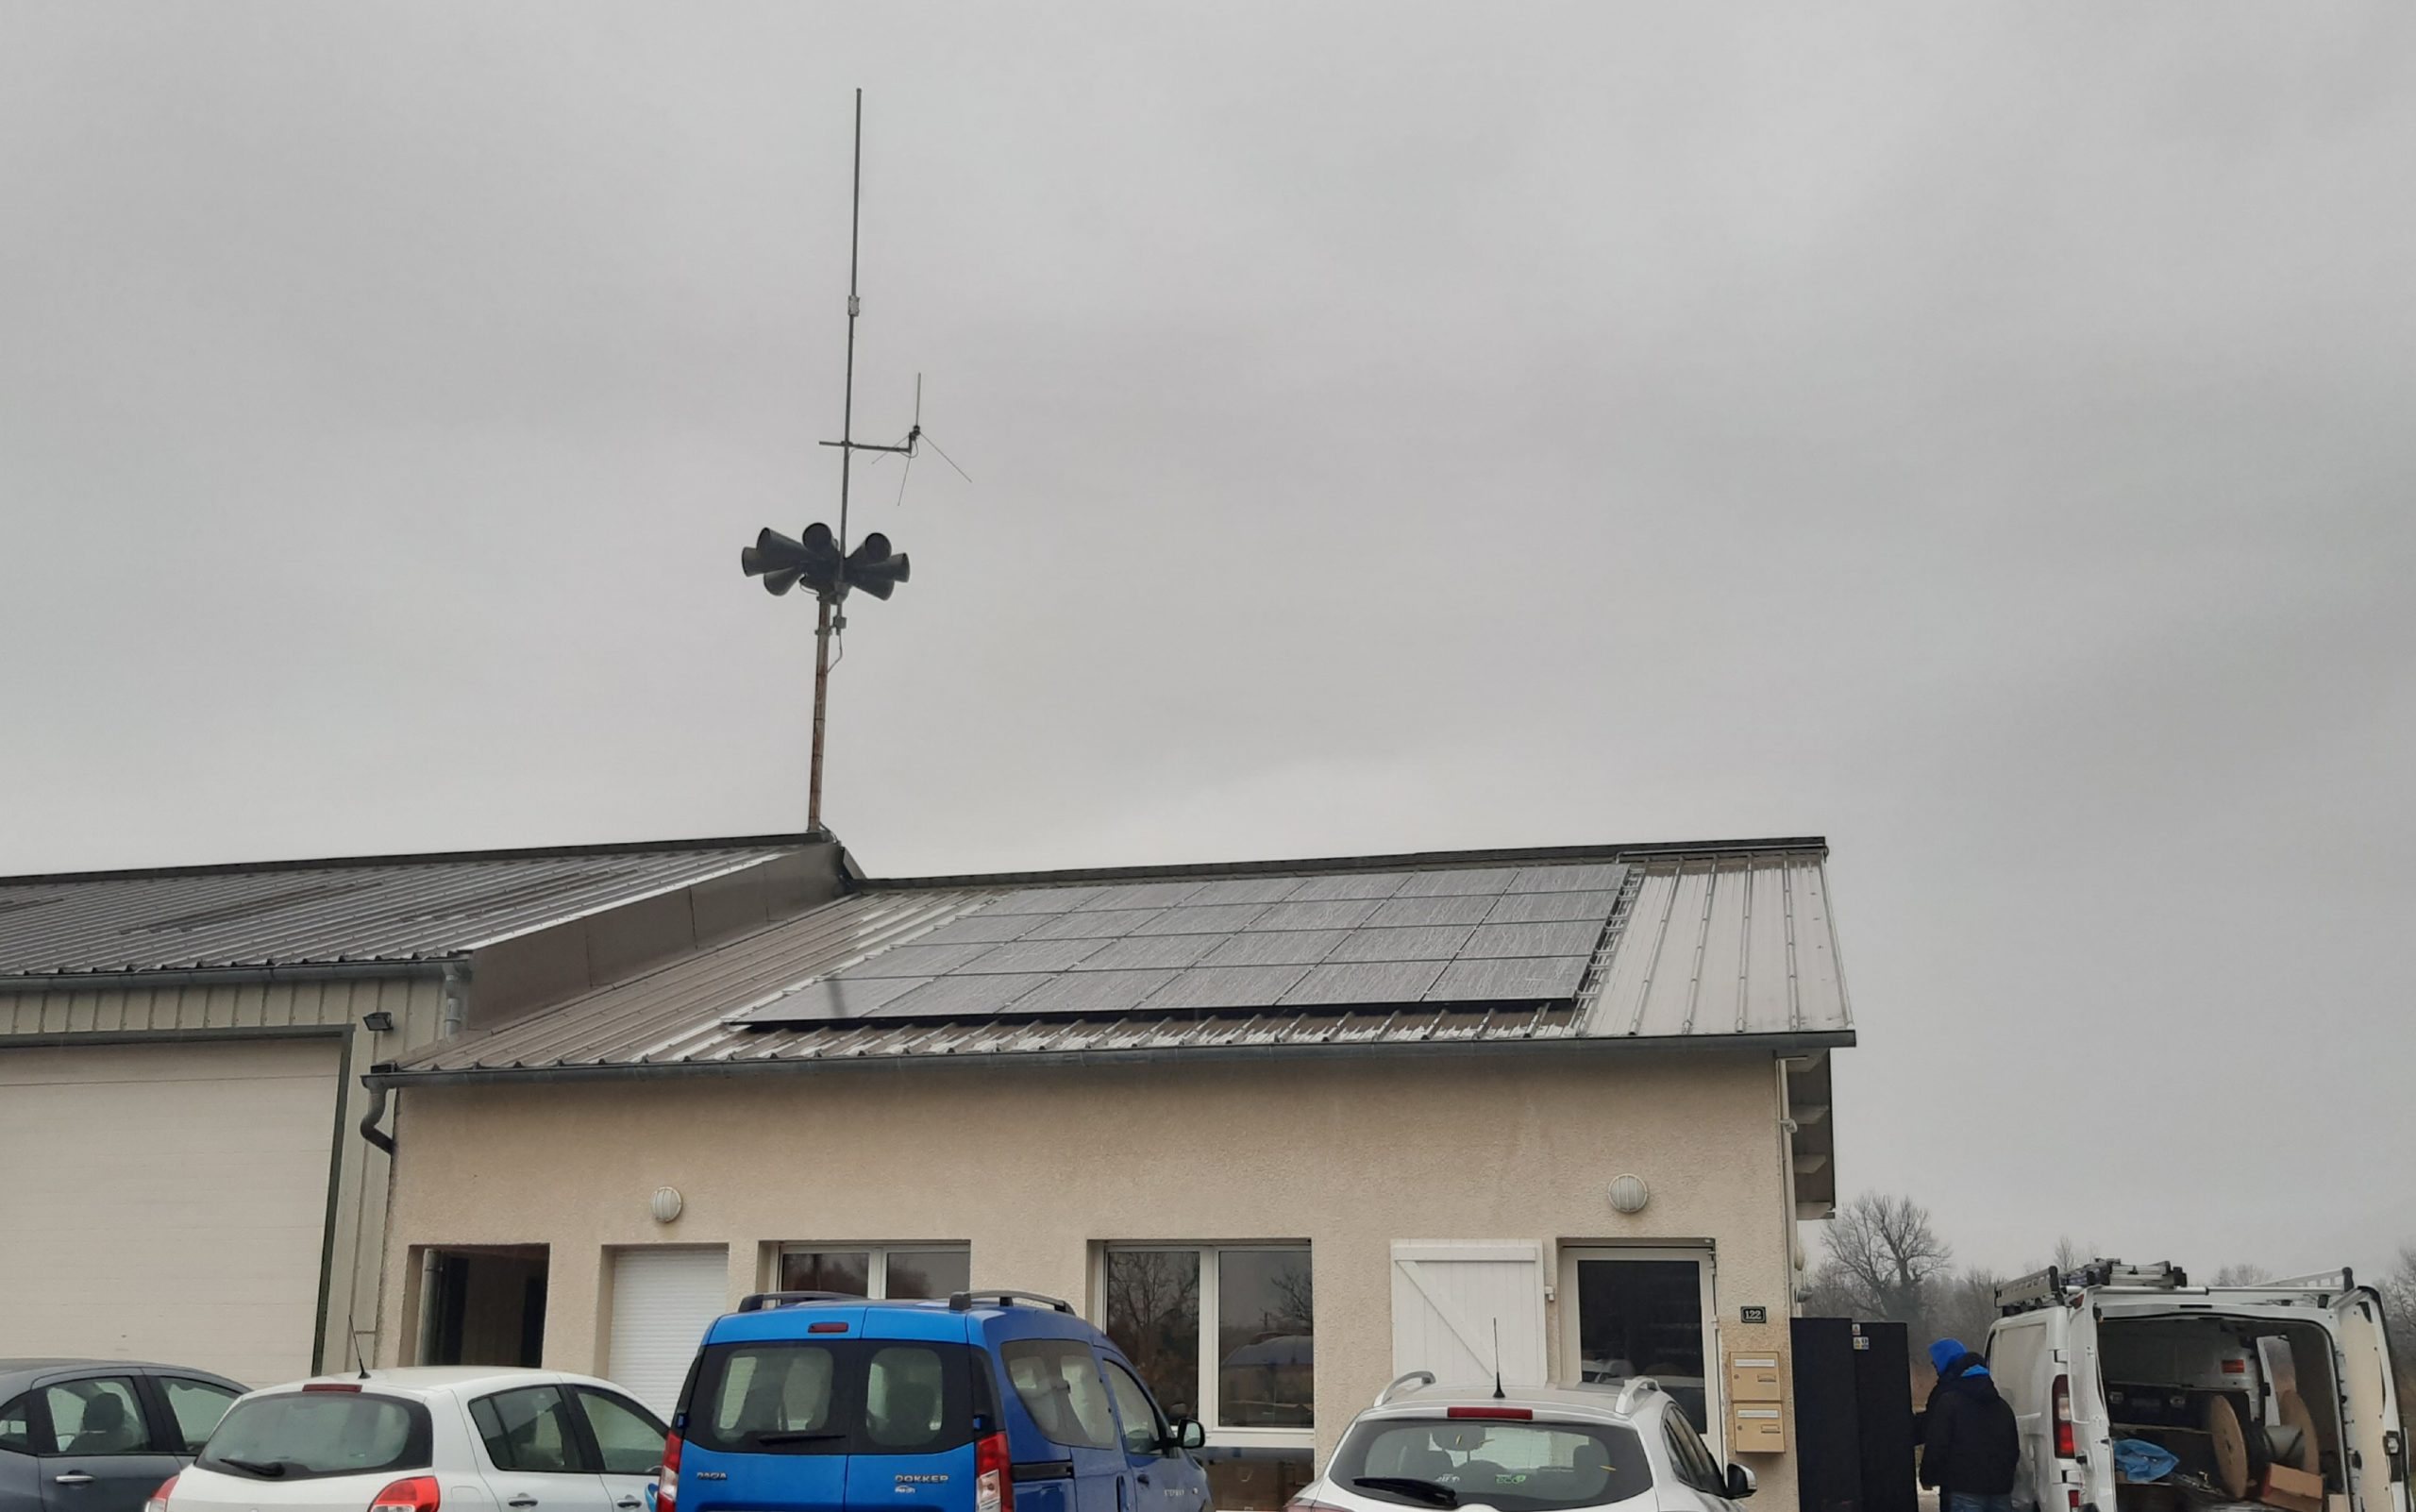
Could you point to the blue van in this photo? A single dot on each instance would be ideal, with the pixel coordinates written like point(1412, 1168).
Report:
point(989, 1401)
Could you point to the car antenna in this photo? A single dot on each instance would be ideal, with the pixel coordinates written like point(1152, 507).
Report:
point(1498, 1395)
point(358, 1359)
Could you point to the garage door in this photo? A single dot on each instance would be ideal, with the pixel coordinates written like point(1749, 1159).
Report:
point(661, 1301)
point(167, 1201)
point(1451, 1300)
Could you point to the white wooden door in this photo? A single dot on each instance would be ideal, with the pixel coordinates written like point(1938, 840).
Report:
point(662, 1300)
point(1450, 1298)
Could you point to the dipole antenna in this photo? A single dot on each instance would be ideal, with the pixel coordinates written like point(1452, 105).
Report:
point(819, 558)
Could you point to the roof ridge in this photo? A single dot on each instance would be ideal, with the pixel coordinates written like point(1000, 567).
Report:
point(1659, 849)
point(609, 848)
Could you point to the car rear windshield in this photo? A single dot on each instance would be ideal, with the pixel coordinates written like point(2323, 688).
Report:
point(1515, 1466)
point(835, 1397)
point(297, 1435)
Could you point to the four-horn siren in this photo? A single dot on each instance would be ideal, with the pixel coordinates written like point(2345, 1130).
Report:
point(816, 561)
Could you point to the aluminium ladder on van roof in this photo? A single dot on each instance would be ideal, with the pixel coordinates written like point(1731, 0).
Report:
point(2047, 1288)
point(2053, 1287)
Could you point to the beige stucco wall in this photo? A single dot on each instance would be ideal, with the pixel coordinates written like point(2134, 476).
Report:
point(1037, 1165)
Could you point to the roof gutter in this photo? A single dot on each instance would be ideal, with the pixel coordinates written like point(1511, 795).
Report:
point(391, 1075)
point(229, 976)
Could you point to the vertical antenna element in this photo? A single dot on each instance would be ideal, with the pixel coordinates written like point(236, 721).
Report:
point(819, 558)
point(1498, 1395)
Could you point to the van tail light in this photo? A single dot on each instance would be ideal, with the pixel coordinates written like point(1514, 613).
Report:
point(2064, 1448)
point(158, 1502)
point(994, 1481)
point(667, 1488)
point(415, 1493)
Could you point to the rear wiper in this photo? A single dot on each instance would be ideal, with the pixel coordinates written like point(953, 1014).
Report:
point(266, 1469)
point(793, 1437)
point(1427, 1491)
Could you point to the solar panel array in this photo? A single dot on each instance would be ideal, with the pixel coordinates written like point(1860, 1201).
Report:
point(1345, 940)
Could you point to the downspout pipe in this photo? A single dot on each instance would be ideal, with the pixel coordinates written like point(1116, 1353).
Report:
point(378, 1137)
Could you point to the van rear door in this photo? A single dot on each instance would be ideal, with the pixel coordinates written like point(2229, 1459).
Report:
point(2379, 1459)
point(915, 1434)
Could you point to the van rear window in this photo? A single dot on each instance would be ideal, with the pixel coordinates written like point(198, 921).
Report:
point(839, 1396)
point(1518, 1467)
point(300, 1435)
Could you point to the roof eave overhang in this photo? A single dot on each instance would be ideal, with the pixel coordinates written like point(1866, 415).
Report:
point(1796, 1043)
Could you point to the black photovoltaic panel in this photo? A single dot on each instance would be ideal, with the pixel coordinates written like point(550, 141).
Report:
point(1438, 942)
point(1202, 919)
point(1144, 895)
point(1276, 947)
point(1351, 884)
point(1585, 876)
point(1470, 879)
point(1368, 982)
point(1107, 924)
point(1532, 939)
point(916, 961)
point(1228, 988)
point(1245, 890)
point(1033, 955)
point(1339, 914)
point(1511, 980)
point(1150, 951)
point(1544, 908)
point(960, 997)
point(1375, 938)
point(1092, 991)
point(1464, 909)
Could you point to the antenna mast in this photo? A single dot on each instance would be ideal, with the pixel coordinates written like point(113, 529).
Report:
point(820, 560)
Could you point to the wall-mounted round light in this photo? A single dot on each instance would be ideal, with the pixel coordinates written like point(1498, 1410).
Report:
point(666, 1203)
point(1628, 1194)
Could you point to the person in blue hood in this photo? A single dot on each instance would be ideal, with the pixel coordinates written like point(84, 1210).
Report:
point(1971, 1447)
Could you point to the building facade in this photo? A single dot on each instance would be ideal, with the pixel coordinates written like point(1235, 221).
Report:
point(1285, 1131)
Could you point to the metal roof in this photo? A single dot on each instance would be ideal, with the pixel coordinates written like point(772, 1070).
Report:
point(362, 909)
point(1702, 946)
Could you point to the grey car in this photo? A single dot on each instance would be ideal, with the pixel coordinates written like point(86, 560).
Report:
point(99, 1435)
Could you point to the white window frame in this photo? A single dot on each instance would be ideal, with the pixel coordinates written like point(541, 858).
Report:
point(876, 1268)
point(1714, 1384)
point(1205, 1408)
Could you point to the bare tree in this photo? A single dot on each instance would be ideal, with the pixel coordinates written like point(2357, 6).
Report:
point(1885, 1254)
point(2071, 1256)
point(2242, 1274)
point(2398, 1288)
point(1962, 1307)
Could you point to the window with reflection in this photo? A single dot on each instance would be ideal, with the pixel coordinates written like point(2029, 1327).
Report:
point(1225, 1334)
point(877, 1270)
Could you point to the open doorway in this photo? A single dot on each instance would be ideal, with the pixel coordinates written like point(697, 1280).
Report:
point(483, 1306)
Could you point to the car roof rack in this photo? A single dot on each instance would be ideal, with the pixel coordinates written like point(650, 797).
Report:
point(1636, 1388)
point(1413, 1380)
point(764, 1301)
point(960, 1301)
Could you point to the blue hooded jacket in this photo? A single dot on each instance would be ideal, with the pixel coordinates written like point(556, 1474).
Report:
point(1970, 1443)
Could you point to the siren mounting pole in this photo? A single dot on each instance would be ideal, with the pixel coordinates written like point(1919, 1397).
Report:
point(825, 620)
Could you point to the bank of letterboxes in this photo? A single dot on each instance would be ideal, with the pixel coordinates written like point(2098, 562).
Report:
point(1757, 1403)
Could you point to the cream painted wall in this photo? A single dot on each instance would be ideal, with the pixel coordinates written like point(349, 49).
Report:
point(1037, 1165)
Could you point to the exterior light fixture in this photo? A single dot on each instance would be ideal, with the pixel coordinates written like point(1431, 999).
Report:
point(1628, 1194)
point(378, 1021)
point(666, 1203)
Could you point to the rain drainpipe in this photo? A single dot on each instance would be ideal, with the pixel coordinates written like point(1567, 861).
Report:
point(369, 1120)
point(457, 1001)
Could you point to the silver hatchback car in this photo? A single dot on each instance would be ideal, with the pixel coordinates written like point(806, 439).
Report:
point(1435, 1448)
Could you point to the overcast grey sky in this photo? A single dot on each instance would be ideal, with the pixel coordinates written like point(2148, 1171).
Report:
point(1978, 434)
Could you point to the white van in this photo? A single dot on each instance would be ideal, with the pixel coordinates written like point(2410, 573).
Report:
point(2276, 1396)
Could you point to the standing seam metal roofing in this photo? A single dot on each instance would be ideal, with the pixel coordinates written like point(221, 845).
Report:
point(365, 909)
point(1747, 911)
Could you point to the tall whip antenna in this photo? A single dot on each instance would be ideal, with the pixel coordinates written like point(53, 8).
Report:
point(820, 559)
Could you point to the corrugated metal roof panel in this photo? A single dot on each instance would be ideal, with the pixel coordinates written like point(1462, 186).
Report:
point(1769, 908)
point(389, 908)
